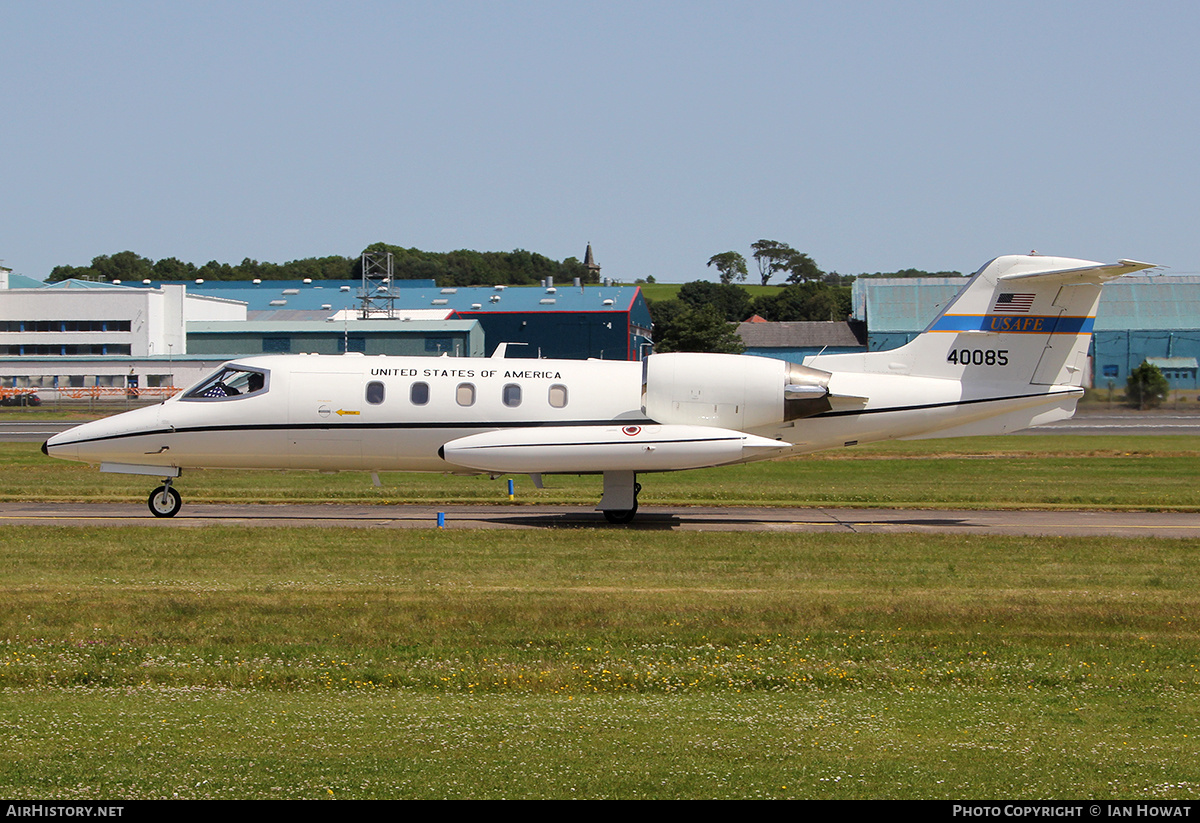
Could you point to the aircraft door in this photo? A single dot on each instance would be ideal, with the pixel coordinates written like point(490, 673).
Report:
point(324, 408)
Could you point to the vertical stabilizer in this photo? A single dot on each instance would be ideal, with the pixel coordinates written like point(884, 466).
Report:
point(1021, 320)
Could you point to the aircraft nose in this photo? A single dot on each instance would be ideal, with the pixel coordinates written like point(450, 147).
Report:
point(68, 451)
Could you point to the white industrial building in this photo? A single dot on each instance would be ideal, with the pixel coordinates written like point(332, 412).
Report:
point(75, 335)
point(78, 339)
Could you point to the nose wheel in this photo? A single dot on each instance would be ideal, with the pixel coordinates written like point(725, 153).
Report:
point(165, 501)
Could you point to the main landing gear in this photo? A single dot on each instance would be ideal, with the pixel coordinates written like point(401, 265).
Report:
point(619, 502)
point(165, 501)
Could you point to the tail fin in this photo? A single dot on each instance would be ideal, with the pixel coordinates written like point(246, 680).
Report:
point(1020, 320)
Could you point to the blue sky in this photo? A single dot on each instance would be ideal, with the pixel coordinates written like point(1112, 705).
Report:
point(871, 135)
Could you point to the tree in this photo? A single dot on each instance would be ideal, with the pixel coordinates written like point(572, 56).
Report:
point(730, 265)
point(772, 257)
point(124, 265)
point(802, 269)
point(805, 301)
point(172, 268)
point(731, 302)
point(680, 327)
point(1146, 387)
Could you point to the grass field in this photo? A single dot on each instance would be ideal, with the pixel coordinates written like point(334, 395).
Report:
point(667, 291)
point(1147, 473)
point(328, 663)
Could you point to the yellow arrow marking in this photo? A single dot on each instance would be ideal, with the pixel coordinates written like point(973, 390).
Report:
point(343, 411)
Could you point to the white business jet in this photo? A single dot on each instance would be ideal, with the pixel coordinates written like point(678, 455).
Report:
point(1009, 352)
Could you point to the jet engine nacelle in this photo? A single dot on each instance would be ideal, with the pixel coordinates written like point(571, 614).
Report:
point(731, 391)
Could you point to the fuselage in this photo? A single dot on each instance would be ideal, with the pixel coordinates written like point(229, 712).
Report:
point(350, 412)
point(354, 412)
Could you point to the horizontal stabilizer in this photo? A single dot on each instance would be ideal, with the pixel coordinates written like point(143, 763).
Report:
point(1097, 273)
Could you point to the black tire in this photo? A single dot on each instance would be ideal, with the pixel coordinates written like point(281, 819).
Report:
point(165, 502)
point(619, 517)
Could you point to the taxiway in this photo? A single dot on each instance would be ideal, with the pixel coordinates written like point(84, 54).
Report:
point(650, 518)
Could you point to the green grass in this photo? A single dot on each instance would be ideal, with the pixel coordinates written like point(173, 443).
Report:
point(666, 291)
point(234, 662)
point(1144, 473)
point(304, 663)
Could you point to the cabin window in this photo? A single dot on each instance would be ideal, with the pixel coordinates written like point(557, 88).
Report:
point(419, 394)
point(465, 394)
point(229, 382)
point(558, 396)
point(512, 395)
point(375, 392)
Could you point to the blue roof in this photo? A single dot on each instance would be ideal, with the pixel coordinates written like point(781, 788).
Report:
point(423, 294)
point(20, 281)
point(79, 284)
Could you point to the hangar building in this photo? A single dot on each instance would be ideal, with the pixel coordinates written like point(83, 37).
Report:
point(82, 338)
point(571, 322)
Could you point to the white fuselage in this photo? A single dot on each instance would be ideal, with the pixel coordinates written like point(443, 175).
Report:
point(352, 412)
point(314, 413)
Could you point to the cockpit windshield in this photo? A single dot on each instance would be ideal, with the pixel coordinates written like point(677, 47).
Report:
point(231, 381)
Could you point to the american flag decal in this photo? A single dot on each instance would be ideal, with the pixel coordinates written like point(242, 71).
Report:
point(1013, 303)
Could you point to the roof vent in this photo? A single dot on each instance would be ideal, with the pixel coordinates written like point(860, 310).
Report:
point(441, 302)
point(278, 303)
point(291, 291)
point(547, 301)
point(449, 291)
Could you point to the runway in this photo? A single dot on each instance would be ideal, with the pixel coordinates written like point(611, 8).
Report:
point(1092, 422)
point(689, 519)
point(789, 520)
